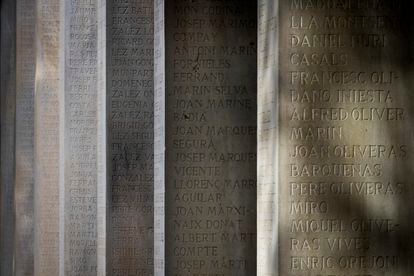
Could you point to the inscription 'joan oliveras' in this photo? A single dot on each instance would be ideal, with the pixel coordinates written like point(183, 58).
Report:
point(343, 118)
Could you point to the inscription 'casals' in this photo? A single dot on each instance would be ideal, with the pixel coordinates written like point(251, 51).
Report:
point(337, 146)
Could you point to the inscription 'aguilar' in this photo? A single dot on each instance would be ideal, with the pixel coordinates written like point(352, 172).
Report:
point(210, 137)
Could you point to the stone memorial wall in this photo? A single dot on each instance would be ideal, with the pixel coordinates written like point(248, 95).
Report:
point(159, 138)
point(206, 138)
point(46, 240)
point(344, 141)
point(130, 138)
point(102, 175)
point(210, 137)
point(268, 135)
point(24, 138)
point(7, 125)
point(79, 121)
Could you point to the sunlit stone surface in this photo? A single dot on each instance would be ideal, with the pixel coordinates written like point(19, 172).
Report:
point(345, 141)
point(268, 135)
point(24, 170)
point(79, 120)
point(46, 251)
point(159, 138)
point(191, 138)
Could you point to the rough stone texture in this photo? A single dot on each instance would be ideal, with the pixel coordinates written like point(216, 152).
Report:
point(46, 251)
point(102, 175)
point(159, 138)
point(268, 135)
point(79, 156)
point(346, 138)
point(335, 138)
point(210, 138)
point(8, 109)
point(24, 170)
point(130, 138)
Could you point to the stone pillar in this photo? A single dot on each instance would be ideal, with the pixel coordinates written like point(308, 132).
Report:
point(344, 154)
point(8, 109)
point(24, 143)
point(268, 137)
point(159, 139)
point(78, 116)
point(126, 82)
point(46, 251)
point(210, 136)
point(102, 131)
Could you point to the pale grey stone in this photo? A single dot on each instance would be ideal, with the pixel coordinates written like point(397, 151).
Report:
point(267, 144)
point(159, 138)
point(8, 109)
point(78, 180)
point(340, 157)
point(47, 114)
point(102, 202)
point(24, 138)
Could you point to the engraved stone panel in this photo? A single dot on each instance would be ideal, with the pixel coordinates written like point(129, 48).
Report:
point(46, 251)
point(267, 146)
point(130, 139)
point(346, 137)
point(210, 138)
point(24, 167)
point(8, 108)
point(159, 138)
point(79, 156)
point(102, 202)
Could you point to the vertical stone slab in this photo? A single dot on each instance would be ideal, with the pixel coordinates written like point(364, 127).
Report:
point(210, 137)
point(102, 175)
point(46, 251)
point(130, 136)
point(159, 137)
point(345, 137)
point(24, 167)
point(8, 109)
point(267, 146)
point(79, 135)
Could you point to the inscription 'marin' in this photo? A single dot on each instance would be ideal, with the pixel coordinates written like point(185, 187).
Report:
point(316, 133)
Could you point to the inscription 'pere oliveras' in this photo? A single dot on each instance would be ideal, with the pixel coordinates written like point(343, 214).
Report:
point(344, 147)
